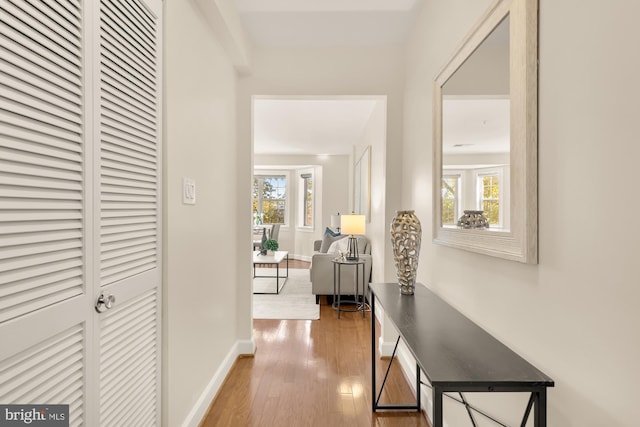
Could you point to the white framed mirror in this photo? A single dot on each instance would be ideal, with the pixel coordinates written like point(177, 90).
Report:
point(485, 137)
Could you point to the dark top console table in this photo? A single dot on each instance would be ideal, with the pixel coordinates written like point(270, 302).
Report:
point(455, 354)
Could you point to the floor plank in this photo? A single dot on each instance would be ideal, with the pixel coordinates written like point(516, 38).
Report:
point(310, 373)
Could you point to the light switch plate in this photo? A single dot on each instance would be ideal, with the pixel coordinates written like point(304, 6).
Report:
point(188, 191)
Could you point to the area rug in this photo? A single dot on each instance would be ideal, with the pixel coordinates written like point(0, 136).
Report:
point(295, 300)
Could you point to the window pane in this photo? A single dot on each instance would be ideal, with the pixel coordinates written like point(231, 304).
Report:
point(308, 201)
point(449, 200)
point(269, 199)
point(492, 211)
point(491, 189)
point(491, 198)
point(257, 218)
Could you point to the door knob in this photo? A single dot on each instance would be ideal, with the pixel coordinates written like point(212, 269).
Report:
point(105, 302)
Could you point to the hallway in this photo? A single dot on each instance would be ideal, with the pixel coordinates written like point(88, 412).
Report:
point(310, 373)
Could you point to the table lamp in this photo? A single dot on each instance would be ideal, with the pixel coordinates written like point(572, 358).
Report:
point(351, 225)
point(335, 222)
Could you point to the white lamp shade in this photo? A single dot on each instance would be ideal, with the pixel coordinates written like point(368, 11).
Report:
point(352, 224)
point(335, 221)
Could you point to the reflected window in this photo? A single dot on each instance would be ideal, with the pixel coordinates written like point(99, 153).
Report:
point(450, 199)
point(489, 191)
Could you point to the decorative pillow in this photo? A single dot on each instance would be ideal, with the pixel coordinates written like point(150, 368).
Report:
point(330, 232)
point(327, 240)
point(338, 245)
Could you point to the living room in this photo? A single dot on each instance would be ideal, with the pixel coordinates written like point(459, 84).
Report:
point(324, 140)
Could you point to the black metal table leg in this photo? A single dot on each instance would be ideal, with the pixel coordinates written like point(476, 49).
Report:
point(364, 305)
point(418, 407)
point(437, 407)
point(373, 352)
point(339, 290)
point(355, 297)
point(336, 283)
point(540, 411)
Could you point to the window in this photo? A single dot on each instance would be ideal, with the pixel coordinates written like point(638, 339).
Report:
point(269, 199)
point(307, 199)
point(489, 191)
point(450, 199)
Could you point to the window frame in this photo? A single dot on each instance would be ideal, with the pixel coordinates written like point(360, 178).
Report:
point(304, 176)
point(274, 173)
point(479, 176)
point(457, 198)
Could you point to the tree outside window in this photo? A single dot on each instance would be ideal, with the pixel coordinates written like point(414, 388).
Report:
point(490, 197)
point(450, 195)
point(269, 198)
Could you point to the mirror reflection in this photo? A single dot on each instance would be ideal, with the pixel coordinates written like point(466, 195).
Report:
point(476, 137)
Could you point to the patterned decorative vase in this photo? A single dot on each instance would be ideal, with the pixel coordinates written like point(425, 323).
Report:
point(473, 219)
point(406, 236)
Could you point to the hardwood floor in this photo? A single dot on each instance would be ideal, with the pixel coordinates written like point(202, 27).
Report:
point(310, 373)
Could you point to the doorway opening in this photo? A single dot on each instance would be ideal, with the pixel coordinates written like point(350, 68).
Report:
point(305, 150)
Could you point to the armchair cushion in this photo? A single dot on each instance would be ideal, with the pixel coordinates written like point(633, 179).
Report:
point(337, 246)
point(327, 240)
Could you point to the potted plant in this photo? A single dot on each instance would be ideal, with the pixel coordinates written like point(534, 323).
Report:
point(271, 245)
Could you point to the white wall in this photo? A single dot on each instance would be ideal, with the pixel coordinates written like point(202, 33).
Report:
point(331, 175)
point(200, 241)
point(575, 314)
point(374, 137)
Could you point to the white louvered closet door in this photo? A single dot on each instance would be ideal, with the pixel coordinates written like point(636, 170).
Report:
point(127, 209)
point(80, 207)
point(45, 295)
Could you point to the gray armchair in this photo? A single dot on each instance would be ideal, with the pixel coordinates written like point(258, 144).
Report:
point(275, 232)
point(322, 270)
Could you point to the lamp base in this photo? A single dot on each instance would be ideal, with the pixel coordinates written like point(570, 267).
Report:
point(352, 249)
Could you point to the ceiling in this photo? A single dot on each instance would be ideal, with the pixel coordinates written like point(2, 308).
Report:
point(309, 126)
point(333, 126)
point(312, 23)
point(320, 126)
point(475, 125)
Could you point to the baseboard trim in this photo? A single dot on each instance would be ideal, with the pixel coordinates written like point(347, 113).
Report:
point(306, 258)
point(199, 410)
point(246, 347)
point(385, 348)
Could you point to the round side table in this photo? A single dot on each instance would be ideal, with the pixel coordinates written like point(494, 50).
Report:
point(337, 298)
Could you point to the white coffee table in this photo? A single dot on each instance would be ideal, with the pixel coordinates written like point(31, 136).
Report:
point(276, 258)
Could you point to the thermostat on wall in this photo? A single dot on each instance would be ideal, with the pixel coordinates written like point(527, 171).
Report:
point(188, 191)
